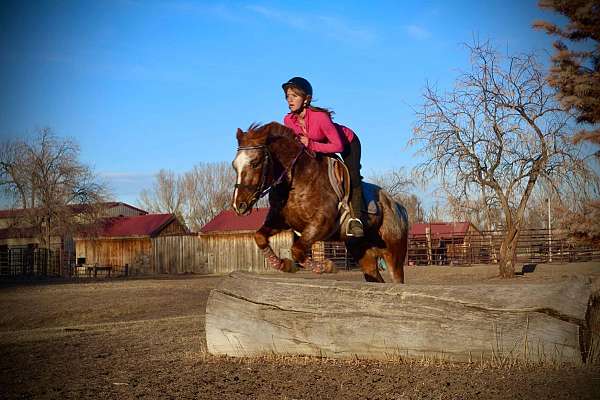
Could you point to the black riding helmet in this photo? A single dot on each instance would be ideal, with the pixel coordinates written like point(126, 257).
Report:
point(300, 83)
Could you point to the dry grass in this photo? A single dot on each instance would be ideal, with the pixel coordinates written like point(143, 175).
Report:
point(143, 337)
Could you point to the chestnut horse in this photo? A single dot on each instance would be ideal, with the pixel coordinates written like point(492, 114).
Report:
point(271, 160)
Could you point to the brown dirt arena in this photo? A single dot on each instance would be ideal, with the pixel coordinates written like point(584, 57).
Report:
point(144, 338)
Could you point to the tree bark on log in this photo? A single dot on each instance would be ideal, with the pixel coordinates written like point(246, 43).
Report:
point(251, 315)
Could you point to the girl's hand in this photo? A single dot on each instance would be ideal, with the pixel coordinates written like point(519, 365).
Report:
point(304, 140)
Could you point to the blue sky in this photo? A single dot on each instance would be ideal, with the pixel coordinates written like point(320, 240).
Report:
point(145, 85)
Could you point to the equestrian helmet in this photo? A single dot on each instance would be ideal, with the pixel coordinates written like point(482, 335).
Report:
point(300, 83)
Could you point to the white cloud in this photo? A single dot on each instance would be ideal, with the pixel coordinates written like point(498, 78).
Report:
point(127, 176)
point(417, 32)
point(333, 27)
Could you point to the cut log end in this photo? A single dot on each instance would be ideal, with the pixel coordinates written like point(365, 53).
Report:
point(590, 341)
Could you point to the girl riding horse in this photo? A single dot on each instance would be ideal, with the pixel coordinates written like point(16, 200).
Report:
point(270, 159)
point(316, 131)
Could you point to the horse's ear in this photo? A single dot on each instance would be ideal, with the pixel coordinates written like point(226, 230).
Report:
point(239, 134)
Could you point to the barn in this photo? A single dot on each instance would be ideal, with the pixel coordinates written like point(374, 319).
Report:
point(228, 242)
point(124, 244)
point(444, 243)
point(20, 252)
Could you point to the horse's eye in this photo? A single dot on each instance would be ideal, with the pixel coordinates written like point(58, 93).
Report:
point(255, 164)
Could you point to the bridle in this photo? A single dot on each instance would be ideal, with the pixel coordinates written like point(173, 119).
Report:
point(260, 190)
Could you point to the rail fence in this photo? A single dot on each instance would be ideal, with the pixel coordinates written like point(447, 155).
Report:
point(29, 261)
point(533, 246)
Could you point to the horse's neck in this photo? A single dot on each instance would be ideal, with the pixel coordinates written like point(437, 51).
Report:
point(285, 151)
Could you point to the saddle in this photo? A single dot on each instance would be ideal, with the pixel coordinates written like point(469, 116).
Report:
point(339, 178)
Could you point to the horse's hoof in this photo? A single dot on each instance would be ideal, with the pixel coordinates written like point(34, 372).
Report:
point(329, 267)
point(288, 265)
point(318, 267)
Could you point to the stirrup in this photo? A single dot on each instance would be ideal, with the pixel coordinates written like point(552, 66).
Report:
point(349, 232)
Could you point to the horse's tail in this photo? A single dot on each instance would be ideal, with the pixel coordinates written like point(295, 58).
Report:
point(394, 231)
point(398, 221)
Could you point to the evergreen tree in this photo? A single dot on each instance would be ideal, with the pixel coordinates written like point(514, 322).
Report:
point(576, 73)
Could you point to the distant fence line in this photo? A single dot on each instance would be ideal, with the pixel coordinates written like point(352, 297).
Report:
point(29, 261)
point(183, 254)
point(533, 246)
point(191, 254)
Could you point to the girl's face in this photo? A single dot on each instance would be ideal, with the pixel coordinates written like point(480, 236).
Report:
point(295, 100)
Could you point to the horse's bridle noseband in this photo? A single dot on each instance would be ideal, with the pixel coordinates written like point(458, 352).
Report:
point(260, 190)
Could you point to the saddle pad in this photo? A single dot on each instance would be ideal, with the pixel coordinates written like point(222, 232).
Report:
point(371, 197)
point(339, 178)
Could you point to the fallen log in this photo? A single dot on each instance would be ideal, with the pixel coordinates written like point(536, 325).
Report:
point(251, 315)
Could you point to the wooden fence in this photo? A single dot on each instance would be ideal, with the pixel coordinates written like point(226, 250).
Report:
point(222, 254)
point(214, 253)
point(533, 246)
point(179, 255)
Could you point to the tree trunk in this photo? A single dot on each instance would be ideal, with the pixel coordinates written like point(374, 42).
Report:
point(508, 253)
point(251, 315)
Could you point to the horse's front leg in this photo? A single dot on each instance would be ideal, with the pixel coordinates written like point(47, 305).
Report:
point(261, 237)
point(311, 234)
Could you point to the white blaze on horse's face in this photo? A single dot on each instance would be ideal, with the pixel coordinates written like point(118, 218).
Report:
point(246, 165)
point(241, 160)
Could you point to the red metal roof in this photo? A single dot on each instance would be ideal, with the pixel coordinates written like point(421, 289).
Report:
point(140, 225)
point(229, 221)
point(18, 233)
point(441, 229)
point(76, 208)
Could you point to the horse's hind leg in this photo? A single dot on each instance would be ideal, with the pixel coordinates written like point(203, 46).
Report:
point(367, 260)
point(394, 232)
point(394, 256)
point(395, 263)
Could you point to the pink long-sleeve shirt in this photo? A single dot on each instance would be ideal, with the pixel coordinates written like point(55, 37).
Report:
point(325, 136)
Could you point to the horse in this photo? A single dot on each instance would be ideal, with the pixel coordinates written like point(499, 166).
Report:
point(271, 160)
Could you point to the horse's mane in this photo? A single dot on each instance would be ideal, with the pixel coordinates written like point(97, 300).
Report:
point(273, 129)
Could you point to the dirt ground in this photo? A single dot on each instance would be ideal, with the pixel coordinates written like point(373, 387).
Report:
point(144, 338)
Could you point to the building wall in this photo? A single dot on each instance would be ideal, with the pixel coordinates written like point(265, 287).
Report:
point(174, 228)
point(238, 252)
point(214, 253)
point(179, 254)
point(135, 252)
point(123, 210)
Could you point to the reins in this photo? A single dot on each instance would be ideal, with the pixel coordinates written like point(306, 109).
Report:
point(261, 191)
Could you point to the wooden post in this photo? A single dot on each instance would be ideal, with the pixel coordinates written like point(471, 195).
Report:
point(429, 249)
point(250, 315)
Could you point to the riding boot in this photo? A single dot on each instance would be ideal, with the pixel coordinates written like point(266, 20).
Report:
point(355, 226)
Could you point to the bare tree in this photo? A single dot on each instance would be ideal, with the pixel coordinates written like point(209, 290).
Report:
point(582, 224)
point(494, 136)
point(401, 186)
point(436, 212)
point(166, 196)
point(208, 189)
point(196, 196)
point(481, 211)
point(45, 178)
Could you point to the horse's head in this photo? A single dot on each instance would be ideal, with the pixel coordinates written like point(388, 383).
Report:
point(251, 165)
